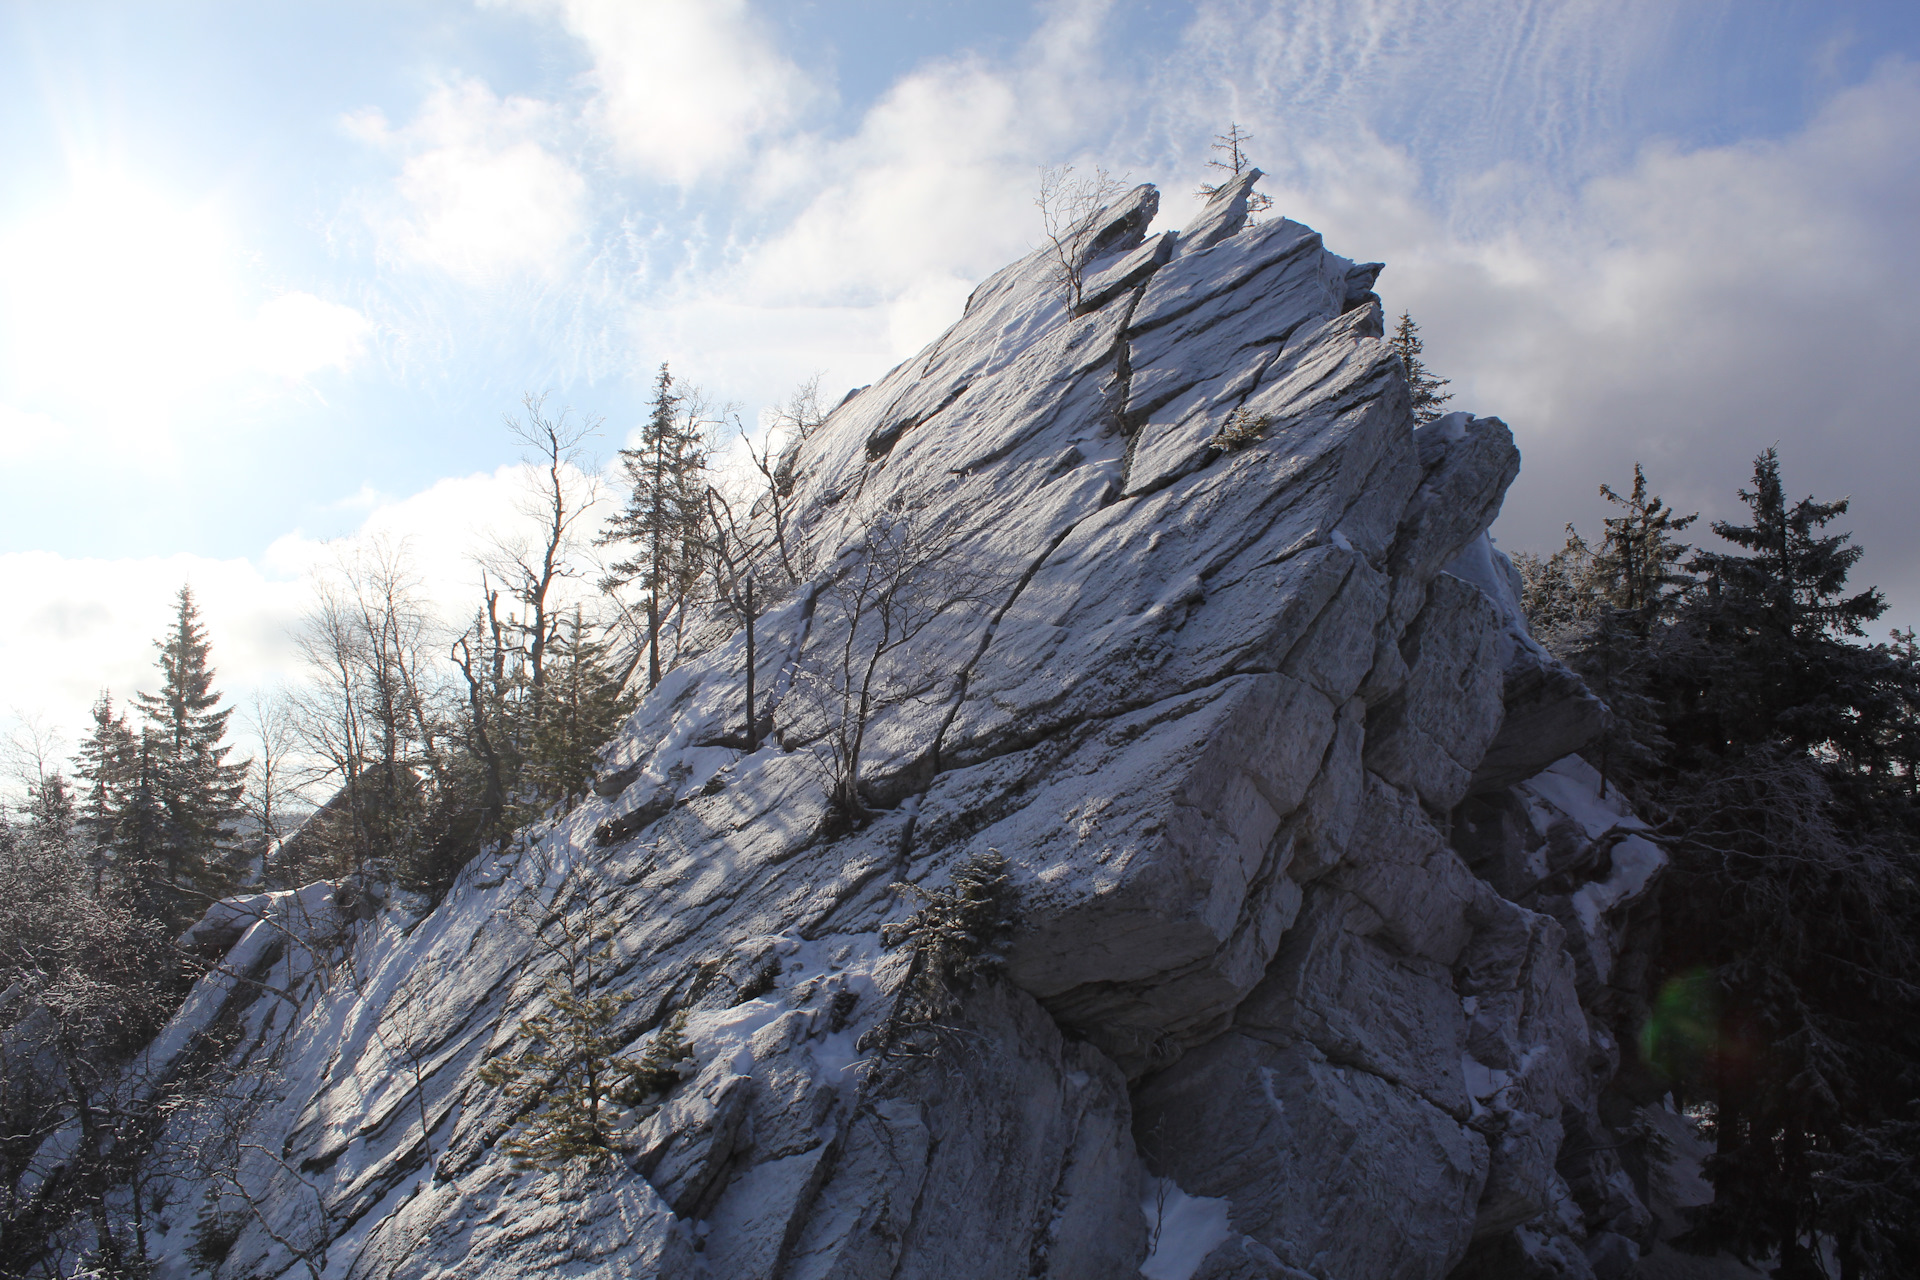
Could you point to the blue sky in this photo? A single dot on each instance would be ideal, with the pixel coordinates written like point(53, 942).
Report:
point(271, 274)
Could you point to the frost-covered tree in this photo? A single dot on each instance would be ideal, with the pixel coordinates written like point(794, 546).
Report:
point(89, 979)
point(369, 717)
point(1786, 985)
point(535, 570)
point(1777, 624)
point(1069, 218)
point(579, 1091)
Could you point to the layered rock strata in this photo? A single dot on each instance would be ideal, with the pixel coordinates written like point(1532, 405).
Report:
point(1316, 941)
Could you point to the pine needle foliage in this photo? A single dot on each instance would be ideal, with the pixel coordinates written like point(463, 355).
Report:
point(663, 1064)
point(574, 1071)
point(1776, 754)
point(1423, 385)
point(1639, 560)
point(161, 801)
point(584, 706)
point(957, 937)
point(665, 509)
point(583, 1092)
point(1560, 594)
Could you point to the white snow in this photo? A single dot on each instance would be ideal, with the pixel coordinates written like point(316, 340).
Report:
point(1483, 1081)
point(1634, 862)
point(1572, 786)
point(1182, 1229)
point(729, 1032)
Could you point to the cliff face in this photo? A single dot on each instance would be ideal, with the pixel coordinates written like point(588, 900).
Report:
point(1317, 951)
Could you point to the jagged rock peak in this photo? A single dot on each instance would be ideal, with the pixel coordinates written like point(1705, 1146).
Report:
point(1208, 642)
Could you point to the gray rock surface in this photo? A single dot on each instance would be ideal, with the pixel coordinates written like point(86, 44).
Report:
point(1261, 737)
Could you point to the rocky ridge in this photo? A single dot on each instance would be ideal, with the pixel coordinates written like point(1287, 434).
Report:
point(1323, 943)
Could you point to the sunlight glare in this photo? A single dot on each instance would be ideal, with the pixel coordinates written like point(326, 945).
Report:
point(117, 297)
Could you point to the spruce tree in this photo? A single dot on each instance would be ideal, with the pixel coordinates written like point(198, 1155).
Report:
point(1900, 728)
point(1639, 561)
point(1775, 755)
point(105, 765)
point(585, 706)
point(1560, 595)
point(584, 1090)
point(1777, 623)
point(1423, 386)
point(1792, 903)
point(196, 791)
point(664, 510)
point(1639, 580)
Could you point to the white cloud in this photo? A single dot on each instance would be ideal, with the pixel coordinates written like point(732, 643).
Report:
point(1686, 309)
point(1685, 312)
point(686, 89)
point(892, 226)
point(443, 530)
point(85, 624)
point(122, 304)
point(25, 433)
point(480, 193)
point(297, 334)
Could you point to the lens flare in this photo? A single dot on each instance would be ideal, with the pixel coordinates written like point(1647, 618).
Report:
point(1683, 1027)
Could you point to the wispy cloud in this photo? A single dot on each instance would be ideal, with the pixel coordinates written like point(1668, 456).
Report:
point(478, 193)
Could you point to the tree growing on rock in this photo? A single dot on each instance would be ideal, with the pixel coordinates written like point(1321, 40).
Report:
point(1069, 218)
point(796, 423)
point(370, 719)
point(89, 978)
point(957, 937)
point(180, 813)
point(584, 703)
point(1423, 385)
point(1637, 583)
point(902, 576)
point(664, 510)
point(579, 1088)
point(955, 941)
point(1785, 986)
point(1231, 161)
point(534, 571)
point(733, 559)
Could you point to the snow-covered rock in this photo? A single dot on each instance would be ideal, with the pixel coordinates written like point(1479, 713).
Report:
point(1218, 708)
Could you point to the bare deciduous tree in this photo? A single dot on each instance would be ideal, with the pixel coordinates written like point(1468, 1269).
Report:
point(796, 423)
point(271, 792)
point(368, 717)
point(905, 574)
point(731, 558)
point(1069, 216)
point(532, 570)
